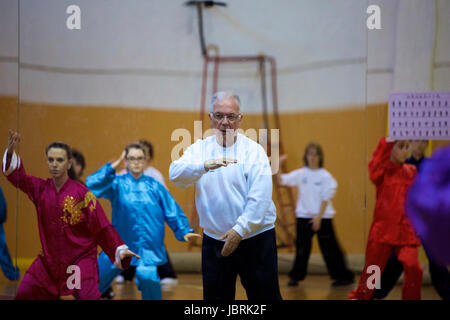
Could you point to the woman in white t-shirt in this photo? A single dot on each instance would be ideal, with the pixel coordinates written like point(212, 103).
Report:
point(314, 211)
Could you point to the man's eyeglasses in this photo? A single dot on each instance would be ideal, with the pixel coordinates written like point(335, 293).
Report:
point(133, 159)
point(232, 117)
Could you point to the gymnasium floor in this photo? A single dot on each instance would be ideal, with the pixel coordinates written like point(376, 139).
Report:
point(315, 287)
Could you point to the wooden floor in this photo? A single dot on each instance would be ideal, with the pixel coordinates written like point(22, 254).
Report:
point(314, 287)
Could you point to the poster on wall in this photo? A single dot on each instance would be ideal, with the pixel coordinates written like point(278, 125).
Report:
point(419, 115)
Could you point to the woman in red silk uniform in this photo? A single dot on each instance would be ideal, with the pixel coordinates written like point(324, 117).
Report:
point(71, 225)
point(391, 231)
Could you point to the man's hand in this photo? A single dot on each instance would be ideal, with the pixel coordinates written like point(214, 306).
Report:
point(13, 140)
point(316, 223)
point(116, 163)
point(127, 254)
point(216, 163)
point(232, 239)
point(189, 236)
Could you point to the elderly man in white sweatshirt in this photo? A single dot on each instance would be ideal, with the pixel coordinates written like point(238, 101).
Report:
point(233, 195)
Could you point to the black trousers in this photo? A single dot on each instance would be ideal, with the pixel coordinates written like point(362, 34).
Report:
point(440, 278)
point(166, 270)
point(329, 246)
point(255, 261)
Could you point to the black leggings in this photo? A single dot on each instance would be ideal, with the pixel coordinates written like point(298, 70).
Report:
point(332, 254)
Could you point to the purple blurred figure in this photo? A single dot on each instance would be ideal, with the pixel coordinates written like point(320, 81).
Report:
point(428, 206)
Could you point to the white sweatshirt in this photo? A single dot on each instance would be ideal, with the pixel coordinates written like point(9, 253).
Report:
point(314, 186)
point(238, 196)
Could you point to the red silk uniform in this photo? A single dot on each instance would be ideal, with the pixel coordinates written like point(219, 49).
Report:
point(391, 231)
point(71, 225)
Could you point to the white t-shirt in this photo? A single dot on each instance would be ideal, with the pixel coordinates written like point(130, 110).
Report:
point(238, 196)
point(314, 186)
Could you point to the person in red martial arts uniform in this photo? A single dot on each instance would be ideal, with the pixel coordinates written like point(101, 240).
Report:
point(71, 225)
point(391, 231)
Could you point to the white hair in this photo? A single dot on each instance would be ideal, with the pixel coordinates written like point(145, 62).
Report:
point(221, 95)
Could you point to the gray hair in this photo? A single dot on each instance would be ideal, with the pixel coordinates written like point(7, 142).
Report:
point(221, 95)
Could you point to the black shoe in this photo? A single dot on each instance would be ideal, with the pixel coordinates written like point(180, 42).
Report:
point(342, 282)
point(292, 283)
point(108, 294)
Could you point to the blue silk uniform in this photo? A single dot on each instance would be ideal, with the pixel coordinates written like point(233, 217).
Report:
point(11, 272)
point(139, 209)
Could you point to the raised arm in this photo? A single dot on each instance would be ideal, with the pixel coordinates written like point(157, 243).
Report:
point(14, 170)
point(380, 161)
point(291, 179)
point(101, 181)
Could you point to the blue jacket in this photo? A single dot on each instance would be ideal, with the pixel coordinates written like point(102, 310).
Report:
point(139, 209)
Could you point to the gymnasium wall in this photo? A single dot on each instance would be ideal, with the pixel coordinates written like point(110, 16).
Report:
point(348, 137)
point(101, 134)
point(134, 71)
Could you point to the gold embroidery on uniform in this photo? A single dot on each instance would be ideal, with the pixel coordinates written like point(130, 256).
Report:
point(88, 198)
point(72, 211)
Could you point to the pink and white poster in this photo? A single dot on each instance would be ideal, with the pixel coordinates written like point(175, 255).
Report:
point(419, 115)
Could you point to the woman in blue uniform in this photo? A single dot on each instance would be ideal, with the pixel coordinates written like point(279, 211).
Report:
point(140, 206)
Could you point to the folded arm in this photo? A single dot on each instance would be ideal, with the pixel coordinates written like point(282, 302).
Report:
point(187, 170)
point(259, 196)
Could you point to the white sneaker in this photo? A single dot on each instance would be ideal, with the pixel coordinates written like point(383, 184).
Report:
point(119, 279)
point(167, 284)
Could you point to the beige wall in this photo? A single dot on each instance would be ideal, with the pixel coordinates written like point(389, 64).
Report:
point(348, 137)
